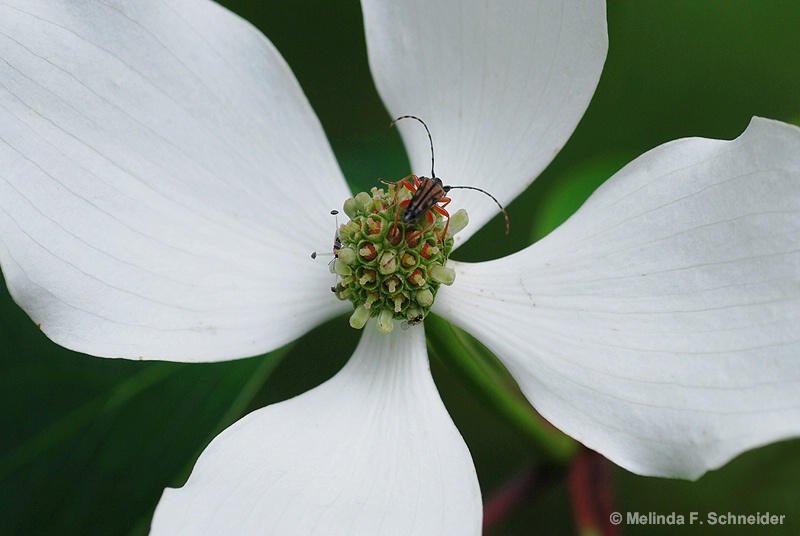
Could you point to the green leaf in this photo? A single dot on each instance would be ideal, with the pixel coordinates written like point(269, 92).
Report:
point(89, 444)
point(494, 385)
point(760, 481)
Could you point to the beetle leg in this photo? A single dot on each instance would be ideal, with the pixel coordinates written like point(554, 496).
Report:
point(440, 209)
point(404, 182)
point(412, 237)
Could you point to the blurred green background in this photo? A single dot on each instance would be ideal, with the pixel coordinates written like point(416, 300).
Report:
point(88, 444)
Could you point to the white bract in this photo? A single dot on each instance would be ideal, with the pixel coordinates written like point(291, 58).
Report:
point(154, 157)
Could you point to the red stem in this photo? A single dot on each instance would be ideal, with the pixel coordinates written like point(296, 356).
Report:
point(506, 499)
point(592, 494)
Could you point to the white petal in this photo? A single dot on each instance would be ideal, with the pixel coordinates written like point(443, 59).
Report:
point(501, 85)
point(371, 451)
point(163, 183)
point(659, 325)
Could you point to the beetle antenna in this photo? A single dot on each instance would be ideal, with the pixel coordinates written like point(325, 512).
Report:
point(505, 215)
point(430, 138)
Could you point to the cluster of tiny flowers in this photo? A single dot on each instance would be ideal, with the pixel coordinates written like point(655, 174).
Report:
point(388, 269)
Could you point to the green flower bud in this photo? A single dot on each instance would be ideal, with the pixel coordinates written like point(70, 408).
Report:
point(442, 274)
point(458, 221)
point(359, 317)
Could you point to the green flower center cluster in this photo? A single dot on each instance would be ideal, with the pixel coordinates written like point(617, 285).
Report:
point(388, 269)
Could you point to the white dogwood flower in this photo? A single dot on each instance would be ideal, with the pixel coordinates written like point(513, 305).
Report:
point(163, 180)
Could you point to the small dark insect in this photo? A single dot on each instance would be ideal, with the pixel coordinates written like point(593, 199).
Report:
point(429, 193)
point(417, 320)
point(337, 244)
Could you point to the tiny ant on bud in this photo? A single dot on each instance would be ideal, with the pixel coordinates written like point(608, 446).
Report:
point(429, 192)
point(417, 320)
